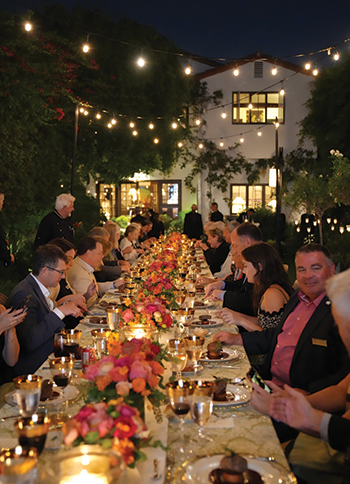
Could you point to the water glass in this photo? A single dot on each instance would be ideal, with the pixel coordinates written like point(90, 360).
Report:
point(27, 394)
point(202, 405)
point(100, 338)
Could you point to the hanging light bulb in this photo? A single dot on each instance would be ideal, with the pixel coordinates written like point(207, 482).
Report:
point(174, 125)
point(236, 72)
point(98, 116)
point(200, 146)
point(109, 125)
point(180, 145)
point(308, 66)
point(298, 229)
point(198, 122)
point(86, 48)
point(156, 141)
point(114, 121)
point(274, 71)
point(221, 144)
point(241, 140)
point(259, 132)
point(282, 91)
point(188, 70)
point(315, 72)
point(134, 133)
point(81, 110)
point(336, 56)
point(223, 115)
point(28, 26)
point(151, 125)
point(86, 113)
point(132, 125)
point(141, 62)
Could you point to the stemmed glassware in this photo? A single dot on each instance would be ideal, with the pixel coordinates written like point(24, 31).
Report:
point(202, 405)
point(62, 371)
point(180, 394)
point(194, 348)
point(177, 355)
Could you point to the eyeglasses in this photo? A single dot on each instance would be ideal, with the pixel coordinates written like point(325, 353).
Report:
point(56, 270)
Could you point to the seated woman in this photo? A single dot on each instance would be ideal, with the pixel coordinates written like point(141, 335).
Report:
point(218, 251)
point(272, 289)
point(9, 346)
point(131, 235)
point(114, 256)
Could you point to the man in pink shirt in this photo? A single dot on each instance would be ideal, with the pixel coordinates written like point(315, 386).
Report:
point(305, 349)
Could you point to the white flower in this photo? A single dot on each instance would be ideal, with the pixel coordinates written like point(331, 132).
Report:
point(332, 152)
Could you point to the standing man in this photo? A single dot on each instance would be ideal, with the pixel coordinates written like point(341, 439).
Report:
point(57, 224)
point(216, 216)
point(5, 255)
point(193, 225)
point(36, 332)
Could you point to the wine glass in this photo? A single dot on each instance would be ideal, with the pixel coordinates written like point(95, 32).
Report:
point(194, 348)
point(32, 431)
point(177, 355)
point(27, 394)
point(71, 344)
point(202, 405)
point(179, 394)
point(62, 371)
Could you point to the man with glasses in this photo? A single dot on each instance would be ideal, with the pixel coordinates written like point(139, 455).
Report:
point(36, 332)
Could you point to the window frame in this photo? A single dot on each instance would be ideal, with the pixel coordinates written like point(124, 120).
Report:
point(247, 186)
point(238, 105)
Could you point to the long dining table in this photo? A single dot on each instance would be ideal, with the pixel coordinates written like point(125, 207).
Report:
point(235, 426)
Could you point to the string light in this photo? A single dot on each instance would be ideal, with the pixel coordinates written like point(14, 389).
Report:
point(282, 91)
point(98, 116)
point(250, 106)
point(180, 145)
point(200, 146)
point(151, 126)
point(174, 125)
point(134, 133)
point(336, 56)
point(274, 71)
point(28, 26)
point(236, 72)
point(315, 72)
point(308, 66)
point(188, 70)
point(223, 115)
point(259, 132)
point(109, 125)
point(156, 141)
point(86, 48)
point(114, 121)
point(141, 62)
point(86, 113)
point(221, 143)
point(198, 122)
point(241, 140)
point(132, 125)
point(81, 110)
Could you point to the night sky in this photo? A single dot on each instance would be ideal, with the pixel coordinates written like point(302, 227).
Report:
point(230, 29)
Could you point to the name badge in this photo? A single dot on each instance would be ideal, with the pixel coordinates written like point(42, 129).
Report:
point(319, 342)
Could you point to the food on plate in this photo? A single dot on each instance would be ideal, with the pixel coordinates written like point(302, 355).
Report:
point(199, 288)
point(200, 331)
point(234, 470)
point(198, 304)
point(220, 391)
point(215, 350)
point(188, 369)
point(47, 391)
point(98, 320)
point(204, 317)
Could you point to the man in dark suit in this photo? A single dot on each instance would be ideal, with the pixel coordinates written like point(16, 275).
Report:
point(237, 294)
point(216, 216)
point(315, 414)
point(193, 225)
point(36, 332)
point(57, 224)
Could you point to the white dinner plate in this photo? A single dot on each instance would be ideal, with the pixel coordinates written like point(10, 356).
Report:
point(70, 392)
point(197, 470)
point(95, 325)
point(189, 373)
point(236, 395)
point(211, 324)
point(232, 355)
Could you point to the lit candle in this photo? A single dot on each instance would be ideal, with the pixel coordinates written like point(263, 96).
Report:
point(85, 478)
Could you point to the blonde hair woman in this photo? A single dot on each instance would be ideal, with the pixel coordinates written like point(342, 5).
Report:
point(132, 233)
point(115, 254)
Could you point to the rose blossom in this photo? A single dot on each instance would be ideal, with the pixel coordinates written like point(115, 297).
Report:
point(123, 388)
point(139, 369)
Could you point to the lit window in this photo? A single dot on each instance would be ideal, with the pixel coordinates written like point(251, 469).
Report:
point(257, 108)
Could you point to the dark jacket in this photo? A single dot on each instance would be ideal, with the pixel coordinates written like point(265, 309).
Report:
point(36, 332)
point(53, 226)
point(320, 357)
point(339, 432)
point(193, 226)
point(5, 255)
point(216, 217)
point(239, 297)
point(216, 257)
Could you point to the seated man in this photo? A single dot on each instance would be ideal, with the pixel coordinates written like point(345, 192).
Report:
point(237, 295)
point(81, 274)
point(36, 332)
point(304, 350)
point(310, 414)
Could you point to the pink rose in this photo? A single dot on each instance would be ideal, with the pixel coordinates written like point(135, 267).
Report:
point(151, 308)
point(140, 308)
point(123, 388)
point(140, 369)
point(105, 368)
point(128, 315)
